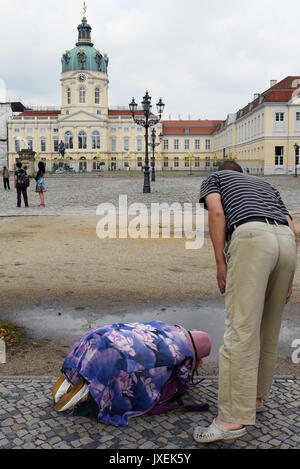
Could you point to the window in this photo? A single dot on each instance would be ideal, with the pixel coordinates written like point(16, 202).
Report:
point(176, 162)
point(30, 143)
point(126, 143)
point(197, 144)
point(140, 161)
point(42, 130)
point(17, 130)
point(96, 140)
point(186, 144)
point(197, 162)
point(207, 162)
point(55, 145)
point(97, 96)
point(55, 131)
point(187, 162)
point(279, 116)
point(139, 144)
point(186, 130)
point(29, 130)
point(82, 95)
point(279, 156)
point(113, 144)
point(82, 140)
point(176, 144)
point(98, 111)
point(166, 162)
point(297, 116)
point(68, 95)
point(126, 130)
point(17, 145)
point(297, 157)
point(166, 144)
point(43, 144)
point(207, 145)
point(69, 140)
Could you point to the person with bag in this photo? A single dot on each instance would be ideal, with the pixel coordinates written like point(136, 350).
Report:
point(120, 371)
point(22, 182)
point(40, 183)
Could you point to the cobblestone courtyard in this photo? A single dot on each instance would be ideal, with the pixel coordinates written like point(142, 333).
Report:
point(28, 421)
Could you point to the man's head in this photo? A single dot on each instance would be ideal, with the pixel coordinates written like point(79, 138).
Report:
point(19, 164)
point(231, 166)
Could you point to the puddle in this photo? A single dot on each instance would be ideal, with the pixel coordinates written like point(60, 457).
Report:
point(64, 325)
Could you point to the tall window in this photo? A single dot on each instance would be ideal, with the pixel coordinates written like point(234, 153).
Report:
point(279, 156)
point(17, 145)
point(207, 144)
point(82, 94)
point(30, 143)
point(126, 143)
point(43, 144)
point(197, 144)
point(69, 140)
point(139, 144)
point(97, 96)
point(55, 145)
point(176, 162)
point(95, 140)
point(166, 144)
point(82, 140)
point(113, 144)
point(69, 96)
point(176, 144)
point(186, 144)
point(297, 157)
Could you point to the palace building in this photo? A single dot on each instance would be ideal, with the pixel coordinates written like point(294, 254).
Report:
point(261, 136)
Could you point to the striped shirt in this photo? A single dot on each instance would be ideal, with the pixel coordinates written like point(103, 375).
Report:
point(244, 196)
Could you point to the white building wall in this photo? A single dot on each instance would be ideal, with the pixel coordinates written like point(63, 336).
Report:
point(5, 113)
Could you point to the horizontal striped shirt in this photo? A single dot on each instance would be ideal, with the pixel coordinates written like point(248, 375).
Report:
point(244, 196)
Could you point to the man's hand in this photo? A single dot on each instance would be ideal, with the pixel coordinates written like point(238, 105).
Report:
point(221, 276)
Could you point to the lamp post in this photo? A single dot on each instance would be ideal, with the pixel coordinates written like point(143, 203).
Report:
point(153, 144)
point(146, 122)
point(296, 155)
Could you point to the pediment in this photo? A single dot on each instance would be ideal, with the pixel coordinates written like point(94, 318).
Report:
point(81, 116)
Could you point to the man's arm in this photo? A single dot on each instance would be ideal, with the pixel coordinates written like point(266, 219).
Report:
point(217, 227)
point(291, 225)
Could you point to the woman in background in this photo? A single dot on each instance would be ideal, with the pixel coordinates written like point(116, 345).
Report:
point(40, 183)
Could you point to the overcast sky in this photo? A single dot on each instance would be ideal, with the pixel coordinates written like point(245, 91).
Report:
point(204, 58)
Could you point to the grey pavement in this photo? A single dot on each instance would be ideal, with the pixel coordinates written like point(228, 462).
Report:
point(28, 421)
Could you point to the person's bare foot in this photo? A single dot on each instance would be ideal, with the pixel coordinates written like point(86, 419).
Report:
point(228, 425)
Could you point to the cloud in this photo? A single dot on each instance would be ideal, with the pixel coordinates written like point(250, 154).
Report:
point(205, 59)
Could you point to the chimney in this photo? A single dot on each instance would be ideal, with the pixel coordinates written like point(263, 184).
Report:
point(256, 95)
point(273, 83)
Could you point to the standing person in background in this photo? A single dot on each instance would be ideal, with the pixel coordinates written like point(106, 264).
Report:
point(6, 178)
point(248, 218)
point(40, 183)
point(20, 184)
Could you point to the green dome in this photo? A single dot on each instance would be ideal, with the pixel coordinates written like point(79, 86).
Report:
point(84, 56)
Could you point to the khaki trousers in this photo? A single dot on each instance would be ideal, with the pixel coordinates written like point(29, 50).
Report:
point(261, 262)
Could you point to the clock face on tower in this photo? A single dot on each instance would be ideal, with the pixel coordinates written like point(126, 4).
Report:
point(81, 77)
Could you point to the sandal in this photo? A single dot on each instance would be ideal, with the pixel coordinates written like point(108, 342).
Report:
point(69, 400)
point(215, 433)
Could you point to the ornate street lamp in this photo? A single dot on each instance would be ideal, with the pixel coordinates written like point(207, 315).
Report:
point(296, 155)
point(153, 144)
point(149, 120)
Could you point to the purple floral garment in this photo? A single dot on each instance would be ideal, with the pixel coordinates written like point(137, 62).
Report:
point(127, 366)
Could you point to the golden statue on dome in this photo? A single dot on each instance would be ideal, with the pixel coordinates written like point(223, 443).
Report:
point(84, 10)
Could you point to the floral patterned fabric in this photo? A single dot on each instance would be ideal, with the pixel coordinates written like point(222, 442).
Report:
point(127, 366)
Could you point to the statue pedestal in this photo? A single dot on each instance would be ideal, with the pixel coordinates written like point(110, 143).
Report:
point(27, 158)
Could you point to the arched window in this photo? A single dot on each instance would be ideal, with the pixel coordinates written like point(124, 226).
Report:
point(97, 96)
point(95, 140)
point(69, 95)
point(69, 140)
point(82, 94)
point(82, 140)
